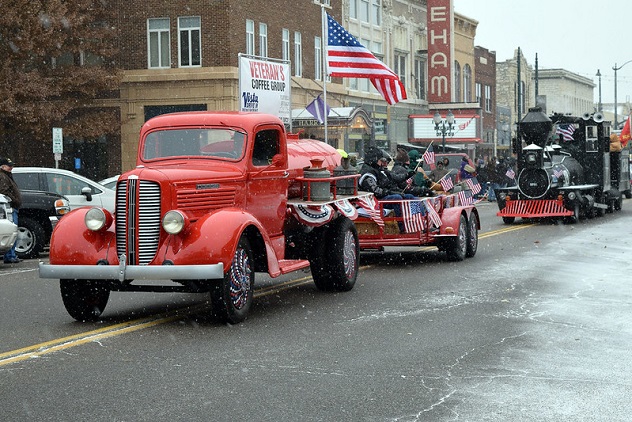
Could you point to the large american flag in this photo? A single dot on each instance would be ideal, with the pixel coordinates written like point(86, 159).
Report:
point(347, 58)
point(372, 208)
point(435, 219)
point(465, 198)
point(429, 156)
point(412, 213)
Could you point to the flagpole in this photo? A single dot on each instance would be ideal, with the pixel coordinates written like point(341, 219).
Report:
point(323, 21)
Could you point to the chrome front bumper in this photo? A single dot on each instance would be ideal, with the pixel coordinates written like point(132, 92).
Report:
point(132, 272)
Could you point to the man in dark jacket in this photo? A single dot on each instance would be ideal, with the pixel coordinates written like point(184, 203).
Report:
point(10, 189)
point(404, 176)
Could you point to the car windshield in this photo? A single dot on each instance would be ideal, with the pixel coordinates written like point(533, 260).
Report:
point(207, 142)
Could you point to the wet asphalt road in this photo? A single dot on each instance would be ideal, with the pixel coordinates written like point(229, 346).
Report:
point(535, 327)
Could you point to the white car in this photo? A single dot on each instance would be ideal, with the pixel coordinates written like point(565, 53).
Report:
point(8, 230)
point(79, 190)
point(110, 182)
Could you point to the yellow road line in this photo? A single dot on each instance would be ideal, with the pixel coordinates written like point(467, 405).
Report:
point(63, 343)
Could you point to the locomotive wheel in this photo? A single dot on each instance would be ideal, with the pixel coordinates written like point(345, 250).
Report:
point(457, 246)
point(231, 298)
point(472, 236)
point(84, 300)
point(509, 220)
point(334, 261)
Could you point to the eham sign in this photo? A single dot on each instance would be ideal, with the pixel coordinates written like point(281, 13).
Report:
point(264, 86)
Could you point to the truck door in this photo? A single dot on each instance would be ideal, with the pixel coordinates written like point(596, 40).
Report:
point(268, 185)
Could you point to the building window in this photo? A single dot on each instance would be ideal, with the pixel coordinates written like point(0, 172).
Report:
point(298, 55)
point(158, 43)
point(420, 79)
point(467, 83)
point(250, 37)
point(488, 98)
point(400, 67)
point(189, 30)
point(478, 94)
point(318, 59)
point(364, 11)
point(285, 44)
point(376, 15)
point(263, 40)
point(457, 81)
point(353, 9)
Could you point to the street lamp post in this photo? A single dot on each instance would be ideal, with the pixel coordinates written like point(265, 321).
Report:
point(615, 68)
point(599, 104)
point(444, 127)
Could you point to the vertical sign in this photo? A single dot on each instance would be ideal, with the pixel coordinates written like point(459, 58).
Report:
point(264, 86)
point(58, 145)
point(440, 22)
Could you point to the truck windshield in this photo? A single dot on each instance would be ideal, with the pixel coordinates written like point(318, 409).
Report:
point(207, 142)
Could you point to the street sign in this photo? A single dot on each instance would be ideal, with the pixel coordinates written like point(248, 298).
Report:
point(58, 141)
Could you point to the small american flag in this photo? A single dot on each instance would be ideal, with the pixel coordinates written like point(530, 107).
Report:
point(347, 58)
point(432, 212)
point(429, 156)
point(473, 185)
point(446, 182)
point(465, 198)
point(370, 206)
point(412, 213)
point(510, 174)
point(566, 130)
point(558, 173)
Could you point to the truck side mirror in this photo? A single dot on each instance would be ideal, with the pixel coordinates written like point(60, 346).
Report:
point(87, 192)
point(277, 160)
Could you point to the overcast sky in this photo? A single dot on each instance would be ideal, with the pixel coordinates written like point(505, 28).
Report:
point(576, 35)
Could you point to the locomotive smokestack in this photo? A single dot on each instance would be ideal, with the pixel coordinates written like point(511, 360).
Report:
point(535, 127)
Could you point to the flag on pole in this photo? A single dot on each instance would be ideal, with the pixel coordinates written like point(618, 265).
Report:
point(369, 204)
point(624, 137)
point(347, 58)
point(465, 198)
point(446, 182)
point(432, 212)
point(318, 109)
point(510, 173)
point(473, 184)
point(429, 157)
point(566, 130)
point(462, 126)
point(412, 214)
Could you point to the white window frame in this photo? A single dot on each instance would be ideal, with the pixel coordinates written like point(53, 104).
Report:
point(318, 59)
point(298, 54)
point(156, 30)
point(189, 31)
point(478, 93)
point(376, 12)
point(285, 44)
point(353, 9)
point(250, 37)
point(488, 98)
point(364, 13)
point(263, 39)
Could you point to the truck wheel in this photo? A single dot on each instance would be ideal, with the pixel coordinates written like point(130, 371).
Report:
point(457, 246)
point(472, 236)
point(335, 263)
point(232, 297)
point(31, 238)
point(84, 300)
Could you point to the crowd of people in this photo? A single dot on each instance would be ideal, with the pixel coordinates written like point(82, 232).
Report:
point(495, 173)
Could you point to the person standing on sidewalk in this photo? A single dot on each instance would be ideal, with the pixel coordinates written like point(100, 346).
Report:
point(10, 189)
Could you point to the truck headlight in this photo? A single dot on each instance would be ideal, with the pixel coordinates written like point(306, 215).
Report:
point(97, 219)
point(173, 222)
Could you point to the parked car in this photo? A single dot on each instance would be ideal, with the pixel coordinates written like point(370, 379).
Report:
point(8, 230)
point(110, 182)
point(37, 217)
point(80, 191)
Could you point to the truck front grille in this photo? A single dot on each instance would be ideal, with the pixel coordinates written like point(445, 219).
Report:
point(206, 200)
point(137, 220)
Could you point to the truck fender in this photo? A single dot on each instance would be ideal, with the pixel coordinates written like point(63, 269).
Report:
point(214, 238)
point(72, 242)
point(450, 219)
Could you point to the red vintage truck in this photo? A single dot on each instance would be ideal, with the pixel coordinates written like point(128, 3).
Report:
point(216, 197)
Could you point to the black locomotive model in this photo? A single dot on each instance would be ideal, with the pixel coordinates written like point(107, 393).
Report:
point(565, 169)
